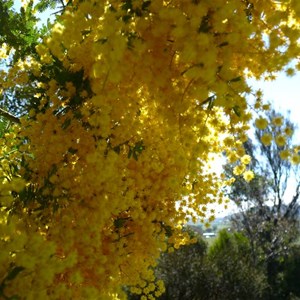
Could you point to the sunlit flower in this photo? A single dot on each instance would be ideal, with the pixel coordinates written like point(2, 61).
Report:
point(248, 175)
point(277, 121)
point(288, 131)
point(261, 123)
point(246, 159)
point(239, 169)
point(266, 139)
point(295, 159)
point(280, 140)
point(284, 154)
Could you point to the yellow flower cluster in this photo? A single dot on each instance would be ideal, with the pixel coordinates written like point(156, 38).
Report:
point(131, 98)
point(276, 133)
point(4, 51)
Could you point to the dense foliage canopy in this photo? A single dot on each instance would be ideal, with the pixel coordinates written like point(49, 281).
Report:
point(112, 115)
point(224, 269)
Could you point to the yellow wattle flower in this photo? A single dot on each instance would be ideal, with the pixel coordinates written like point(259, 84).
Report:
point(248, 175)
point(267, 139)
point(261, 123)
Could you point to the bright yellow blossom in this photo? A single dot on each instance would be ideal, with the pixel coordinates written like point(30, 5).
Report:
point(284, 154)
point(266, 139)
point(288, 131)
point(277, 121)
point(290, 72)
point(280, 140)
point(266, 107)
point(239, 169)
point(295, 159)
point(248, 175)
point(261, 123)
point(246, 159)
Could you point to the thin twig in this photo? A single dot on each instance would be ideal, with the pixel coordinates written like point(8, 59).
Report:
point(62, 4)
point(8, 116)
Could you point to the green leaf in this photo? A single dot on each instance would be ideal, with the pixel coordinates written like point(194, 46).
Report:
point(130, 152)
point(14, 273)
point(208, 101)
point(146, 4)
point(210, 104)
point(204, 26)
point(136, 150)
point(168, 230)
point(236, 79)
point(135, 156)
point(223, 44)
point(117, 149)
point(139, 147)
point(118, 223)
point(72, 150)
point(66, 124)
point(236, 110)
point(43, 5)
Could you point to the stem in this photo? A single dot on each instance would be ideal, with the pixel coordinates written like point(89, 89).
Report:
point(62, 3)
point(10, 117)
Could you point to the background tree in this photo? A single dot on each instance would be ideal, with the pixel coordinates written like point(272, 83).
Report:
point(235, 275)
point(291, 271)
point(185, 272)
point(222, 271)
point(267, 213)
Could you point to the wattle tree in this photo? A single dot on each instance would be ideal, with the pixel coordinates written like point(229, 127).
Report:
point(111, 117)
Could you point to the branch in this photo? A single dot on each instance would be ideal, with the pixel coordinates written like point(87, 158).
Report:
point(293, 202)
point(8, 116)
point(62, 4)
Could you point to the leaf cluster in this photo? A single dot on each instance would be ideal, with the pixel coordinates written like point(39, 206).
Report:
point(18, 29)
